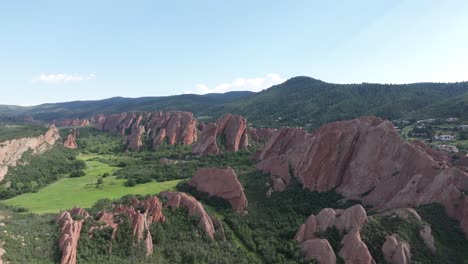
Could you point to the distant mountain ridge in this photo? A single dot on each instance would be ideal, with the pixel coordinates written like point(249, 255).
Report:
point(300, 101)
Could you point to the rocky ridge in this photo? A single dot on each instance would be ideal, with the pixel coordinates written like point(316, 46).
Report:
point(230, 130)
point(11, 151)
point(70, 141)
point(364, 159)
point(222, 183)
point(160, 127)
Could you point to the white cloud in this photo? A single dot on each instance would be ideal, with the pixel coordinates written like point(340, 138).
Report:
point(240, 84)
point(62, 78)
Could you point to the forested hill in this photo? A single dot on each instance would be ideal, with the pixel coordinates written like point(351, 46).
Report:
point(300, 101)
point(304, 100)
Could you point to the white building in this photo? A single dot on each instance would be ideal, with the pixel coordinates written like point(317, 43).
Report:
point(447, 148)
point(444, 138)
point(463, 127)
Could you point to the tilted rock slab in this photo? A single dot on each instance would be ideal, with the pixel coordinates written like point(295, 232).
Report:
point(11, 151)
point(350, 220)
point(194, 207)
point(233, 130)
point(365, 159)
point(71, 231)
point(70, 141)
point(222, 183)
point(396, 251)
point(72, 122)
point(170, 127)
point(141, 221)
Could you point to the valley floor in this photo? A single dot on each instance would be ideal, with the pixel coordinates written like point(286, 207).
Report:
point(84, 191)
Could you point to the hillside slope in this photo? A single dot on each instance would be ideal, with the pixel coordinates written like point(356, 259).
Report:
point(300, 101)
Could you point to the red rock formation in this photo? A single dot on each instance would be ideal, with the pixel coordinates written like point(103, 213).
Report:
point(221, 183)
point(260, 134)
point(350, 220)
point(396, 251)
point(365, 159)
point(171, 127)
point(70, 230)
point(436, 155)
point(11, 151)
point(72, 123)
point(206, 144)
point(354, 251)
point(134, 141)
point(194, 207)
point(70, 141)
point(231, 128)
point(140, 220)
point(320, 250)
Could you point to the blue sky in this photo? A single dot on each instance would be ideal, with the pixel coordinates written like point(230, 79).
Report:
point(54, 51)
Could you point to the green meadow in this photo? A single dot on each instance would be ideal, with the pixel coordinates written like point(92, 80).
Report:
point(84, 191)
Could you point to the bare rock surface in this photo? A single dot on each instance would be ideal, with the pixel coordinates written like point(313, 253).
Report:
point(396, 251)
point(320, 250)
point(348, 221)
point(222, 183)
point(160, 127)
point(12, 150)
point(365, 159)
point(70, 141)
point(260, 134)
point(71, 231)
point(194, 207)
point(232, 131)
point(149, 211)
point(72, 123)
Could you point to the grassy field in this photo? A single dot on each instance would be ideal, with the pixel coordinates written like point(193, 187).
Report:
point(84, 191)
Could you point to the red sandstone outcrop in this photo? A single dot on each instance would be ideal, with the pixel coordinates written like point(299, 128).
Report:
point(350, 220)
point(71, 230)
point(354, 251)
point(232, 129)
point(194, 207)
point(206, 144)
point(70, 141)
point(149, 211)
point(260, 134)
point(366, 159)
point(12, 150)
point(72, 123)
point(396, 251)
point(141, 219)
point(170, 127)
point(221, 183)
point(320, 250)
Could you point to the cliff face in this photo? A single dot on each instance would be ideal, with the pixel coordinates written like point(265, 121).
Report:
point(12, 150)
point(70, 141)
point(231, 129)
point(365, 159)
point(72, 122)
point(169, 127)
point(221, 183)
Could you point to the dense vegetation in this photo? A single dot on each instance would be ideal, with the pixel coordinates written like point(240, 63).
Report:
point(177, 240)
point(271, 223)
point(10, 131)
point(450, 241)
point(300, 101)
point(28, 238)
point(39, 171)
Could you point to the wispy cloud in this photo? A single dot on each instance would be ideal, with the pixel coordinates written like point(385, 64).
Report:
point(240, 84)
point(62, 78)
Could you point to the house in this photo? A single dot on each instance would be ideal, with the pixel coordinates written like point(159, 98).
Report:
point(447, 148)
point(444, 138)
point(463, 127)
point(451, 119)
